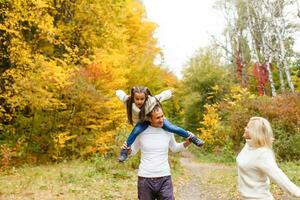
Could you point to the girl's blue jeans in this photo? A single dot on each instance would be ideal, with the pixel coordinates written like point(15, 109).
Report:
point(167, 126)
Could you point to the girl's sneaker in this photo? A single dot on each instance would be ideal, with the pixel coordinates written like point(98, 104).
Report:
point(123, 155)
point(198, 142)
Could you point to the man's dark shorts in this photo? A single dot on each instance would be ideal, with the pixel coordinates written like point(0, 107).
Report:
point(160, 188)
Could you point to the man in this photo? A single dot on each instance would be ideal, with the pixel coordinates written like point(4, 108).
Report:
point(154, 177)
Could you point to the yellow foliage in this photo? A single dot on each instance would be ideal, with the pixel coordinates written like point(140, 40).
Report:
point(60, 142)
point(210, 132)
point(102, 143)
point(61, 139)
point(216, 88)
point(237, 94)
point(296, 79)
point(40, 88)
point(64, 62)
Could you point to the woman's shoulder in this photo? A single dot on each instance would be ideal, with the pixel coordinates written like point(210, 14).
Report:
point(265, 152)
point(264, 149)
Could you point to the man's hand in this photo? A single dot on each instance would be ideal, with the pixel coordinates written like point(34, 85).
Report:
point(124, 146)
point(129, 151)
point(187, 142)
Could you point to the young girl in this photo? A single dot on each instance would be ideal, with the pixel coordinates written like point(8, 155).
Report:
point(139, 104)
point(256, 164)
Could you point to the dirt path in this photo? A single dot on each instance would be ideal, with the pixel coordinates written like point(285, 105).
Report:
point(206, 181)
point(212, 181)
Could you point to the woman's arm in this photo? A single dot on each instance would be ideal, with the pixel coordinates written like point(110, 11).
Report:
point(269, 166)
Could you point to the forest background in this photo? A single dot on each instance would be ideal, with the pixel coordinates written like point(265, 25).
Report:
point(61, 62)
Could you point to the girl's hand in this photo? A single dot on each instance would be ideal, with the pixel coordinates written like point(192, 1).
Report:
point(172, 90)
point(124, 146)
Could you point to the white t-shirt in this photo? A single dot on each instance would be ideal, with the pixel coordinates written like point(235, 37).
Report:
point(255, 166)
point(154, 144)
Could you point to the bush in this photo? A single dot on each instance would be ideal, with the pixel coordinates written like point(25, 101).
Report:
point(283, 112)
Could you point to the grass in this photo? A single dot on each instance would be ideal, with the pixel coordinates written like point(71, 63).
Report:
point(94, 179)
point(104, 178)
point(97, 178)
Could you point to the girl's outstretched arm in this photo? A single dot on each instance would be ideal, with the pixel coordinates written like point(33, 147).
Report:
point(152, 100)
point(122, 95)
point(165, 95)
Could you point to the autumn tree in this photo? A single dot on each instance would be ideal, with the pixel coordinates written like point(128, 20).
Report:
point(268, 30)
point(61, 62)
point(205, 82)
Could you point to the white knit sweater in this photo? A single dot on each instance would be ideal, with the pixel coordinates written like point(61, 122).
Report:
point(150, 103)
point(255, 167)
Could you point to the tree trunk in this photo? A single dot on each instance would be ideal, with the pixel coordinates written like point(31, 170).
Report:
point(288, 76)
point(279, 25)
point(279, 68)
point(267, 64)
point(266, 50)
point(285, 63)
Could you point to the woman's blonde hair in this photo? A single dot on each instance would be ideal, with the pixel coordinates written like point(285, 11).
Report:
point(260, 131)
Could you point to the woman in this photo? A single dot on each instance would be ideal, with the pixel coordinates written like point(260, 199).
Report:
point(256, 164)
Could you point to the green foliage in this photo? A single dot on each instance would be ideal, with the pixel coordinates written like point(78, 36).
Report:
point(205, 82)
point(223, 123)
point(219, 155)
point(295, 73)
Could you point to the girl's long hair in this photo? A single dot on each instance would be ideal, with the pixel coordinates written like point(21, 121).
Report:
point(130, 101)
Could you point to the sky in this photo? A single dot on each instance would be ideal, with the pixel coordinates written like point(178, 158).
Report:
point(183, 27)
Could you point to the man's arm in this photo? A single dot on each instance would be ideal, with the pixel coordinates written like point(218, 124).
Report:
point(176, 147)
point(135, 147)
